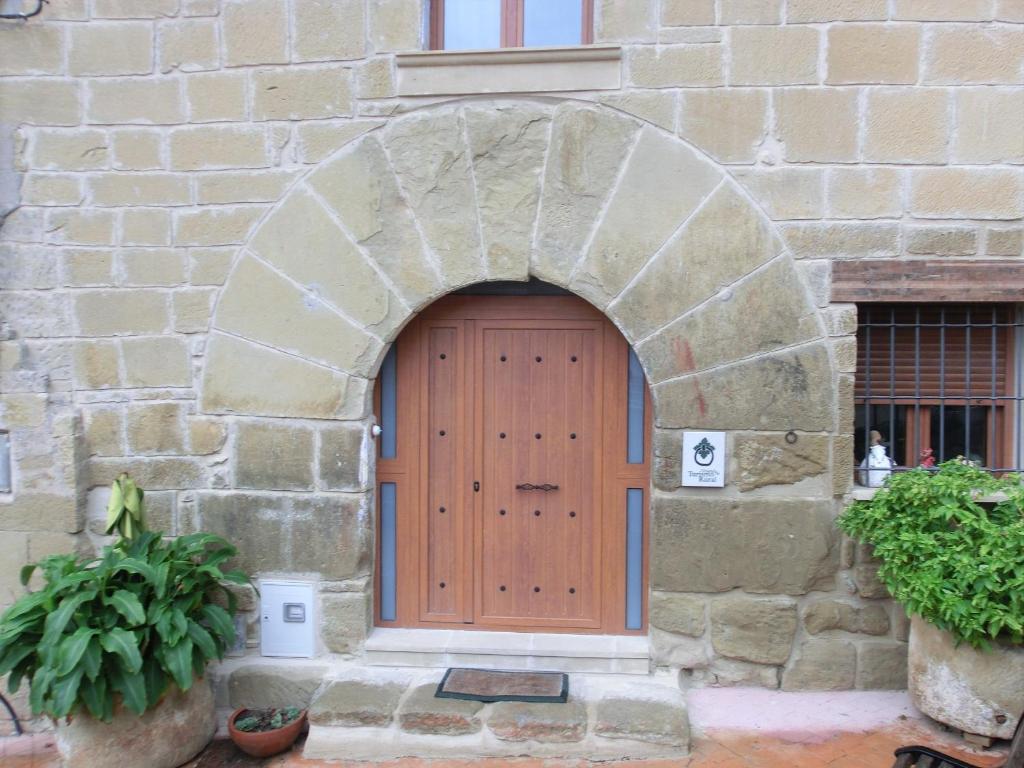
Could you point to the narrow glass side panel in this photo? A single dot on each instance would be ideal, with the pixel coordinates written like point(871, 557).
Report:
point(634, 558)
point(389, 404)
point(635, 424)
point(553, 22)
point(388, 588)
point(472, 24)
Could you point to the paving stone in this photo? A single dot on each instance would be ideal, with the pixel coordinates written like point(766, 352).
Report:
point(543, 722)
point(749, 629)
point(423, 712)
point(265, 686)
point(356, 703)
point(652, 721)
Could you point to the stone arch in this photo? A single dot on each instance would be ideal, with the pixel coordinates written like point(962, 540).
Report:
point(620, 212)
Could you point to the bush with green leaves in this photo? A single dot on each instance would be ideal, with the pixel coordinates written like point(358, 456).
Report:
point(122, 627)
point(956, 563)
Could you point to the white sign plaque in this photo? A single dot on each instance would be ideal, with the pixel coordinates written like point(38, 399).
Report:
point(704, 459)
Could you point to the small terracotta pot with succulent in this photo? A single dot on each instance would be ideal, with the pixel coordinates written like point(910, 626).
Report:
point(265, 732)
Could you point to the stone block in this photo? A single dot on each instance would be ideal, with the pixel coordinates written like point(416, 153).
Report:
point(657, 107)
point(677, 613)
point(341, 457)
point(786, 193)
point(432, 162)
point(1009, 10)
point(42, 512)
point(941, 241)
point(95, 365)
point(261, 305)
point(188, 45)
point(541, 722)
point(345, 621)
point(123, 48)
point(52, 189)
point(907, 125)
point(817, 125)
point(360, 186)
point(843, 240)
point(675, 66)
point(40, 102)
point(973, 54)
point(216, 147)
point(80, 150)
point(1004, 242)
point(676, 13)
point(973, 193)
point(729, 672)
point(155, 429)
point(396, 25)
point(865, 576)
point(422, 712)
point(357, 703)
point(266, 685)
point(619, 23)
point(873, 53)
point(245, 378)
point(842, 463)
point(136, 149)
point(667, 460)
point(720, 330)
point(254, 32)
point(882, 666)
point(146, 226)
point(864, 193)
point(206, 436)
point(135, 100)
point(508, 147)
point(152, 266)
point(273, 457)
point(937, 10)
point(749, 629)
point(651, 721)
point(817, 11)
point(826, 615)
point(822, 665)
point(265, 186)
point(216, 226)
point(156, 362)
point(636, 225)
point(216, 96)
point(104, 430)
point(118, 189)
point(134, 9)
point(764, 546)
point(585, 152)
point(283, 94)
point(729, 124)
point(210, 266)
point(32, 50)
point(731, 397)
point(192, 308)
point(774, 56)
point(315, 141)
point(770, 460)
point(157, 473)
point(328, 30)
point(988, 124)
point(736, 12)
point(110, 313)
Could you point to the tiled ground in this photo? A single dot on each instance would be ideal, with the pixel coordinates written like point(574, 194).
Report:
point(718, 749)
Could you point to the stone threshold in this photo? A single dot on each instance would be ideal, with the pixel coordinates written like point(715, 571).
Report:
point(597, 654)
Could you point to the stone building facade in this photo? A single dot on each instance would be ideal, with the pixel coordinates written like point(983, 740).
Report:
point(175, 174)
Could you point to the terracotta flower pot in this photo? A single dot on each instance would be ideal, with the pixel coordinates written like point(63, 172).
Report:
point(265, 743)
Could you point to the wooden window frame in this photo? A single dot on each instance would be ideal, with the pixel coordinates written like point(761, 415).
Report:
point(512, 23)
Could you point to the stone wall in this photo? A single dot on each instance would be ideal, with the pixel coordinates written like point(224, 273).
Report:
point(162, 149)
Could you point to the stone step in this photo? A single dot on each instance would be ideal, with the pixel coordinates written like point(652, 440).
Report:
point(590, 654)
point(359, 712)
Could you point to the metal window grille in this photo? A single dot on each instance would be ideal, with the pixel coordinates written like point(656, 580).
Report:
point(935, 382)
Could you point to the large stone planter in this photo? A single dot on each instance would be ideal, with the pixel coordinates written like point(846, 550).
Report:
point(976, 691)
point(164, 737)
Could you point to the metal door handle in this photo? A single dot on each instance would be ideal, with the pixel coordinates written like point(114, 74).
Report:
point(532, 487)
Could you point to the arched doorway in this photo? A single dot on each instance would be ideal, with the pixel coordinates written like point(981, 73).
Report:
point(512, 467)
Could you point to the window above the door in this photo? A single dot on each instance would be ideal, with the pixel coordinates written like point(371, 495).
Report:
point(509, 46)
point(485, 24)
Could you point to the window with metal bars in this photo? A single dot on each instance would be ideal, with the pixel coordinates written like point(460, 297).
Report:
point(938, 381)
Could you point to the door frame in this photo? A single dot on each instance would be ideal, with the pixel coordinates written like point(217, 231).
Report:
point(410, 475)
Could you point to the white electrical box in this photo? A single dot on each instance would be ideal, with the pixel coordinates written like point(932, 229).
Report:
point(287, 619)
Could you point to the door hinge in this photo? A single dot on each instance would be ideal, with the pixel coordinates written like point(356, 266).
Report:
point(476, 486)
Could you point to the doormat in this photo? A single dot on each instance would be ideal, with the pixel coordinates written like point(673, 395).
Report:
point(503, 685)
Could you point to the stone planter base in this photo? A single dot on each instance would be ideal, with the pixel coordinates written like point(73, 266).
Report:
point(165, 737)
point(976, 691)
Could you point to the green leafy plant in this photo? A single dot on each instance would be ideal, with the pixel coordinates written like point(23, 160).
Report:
point(123, 626)
point(126, 510)
point(956, 563)
point(258, 720)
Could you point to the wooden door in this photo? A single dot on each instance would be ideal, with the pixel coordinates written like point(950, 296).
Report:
point(512, 468)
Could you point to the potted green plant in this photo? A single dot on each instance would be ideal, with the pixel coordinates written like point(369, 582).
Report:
point(951, 546)
point(265, 732)
point(114, 648)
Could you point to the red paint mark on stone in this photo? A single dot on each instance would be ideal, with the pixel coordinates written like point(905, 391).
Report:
point(684, 355)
